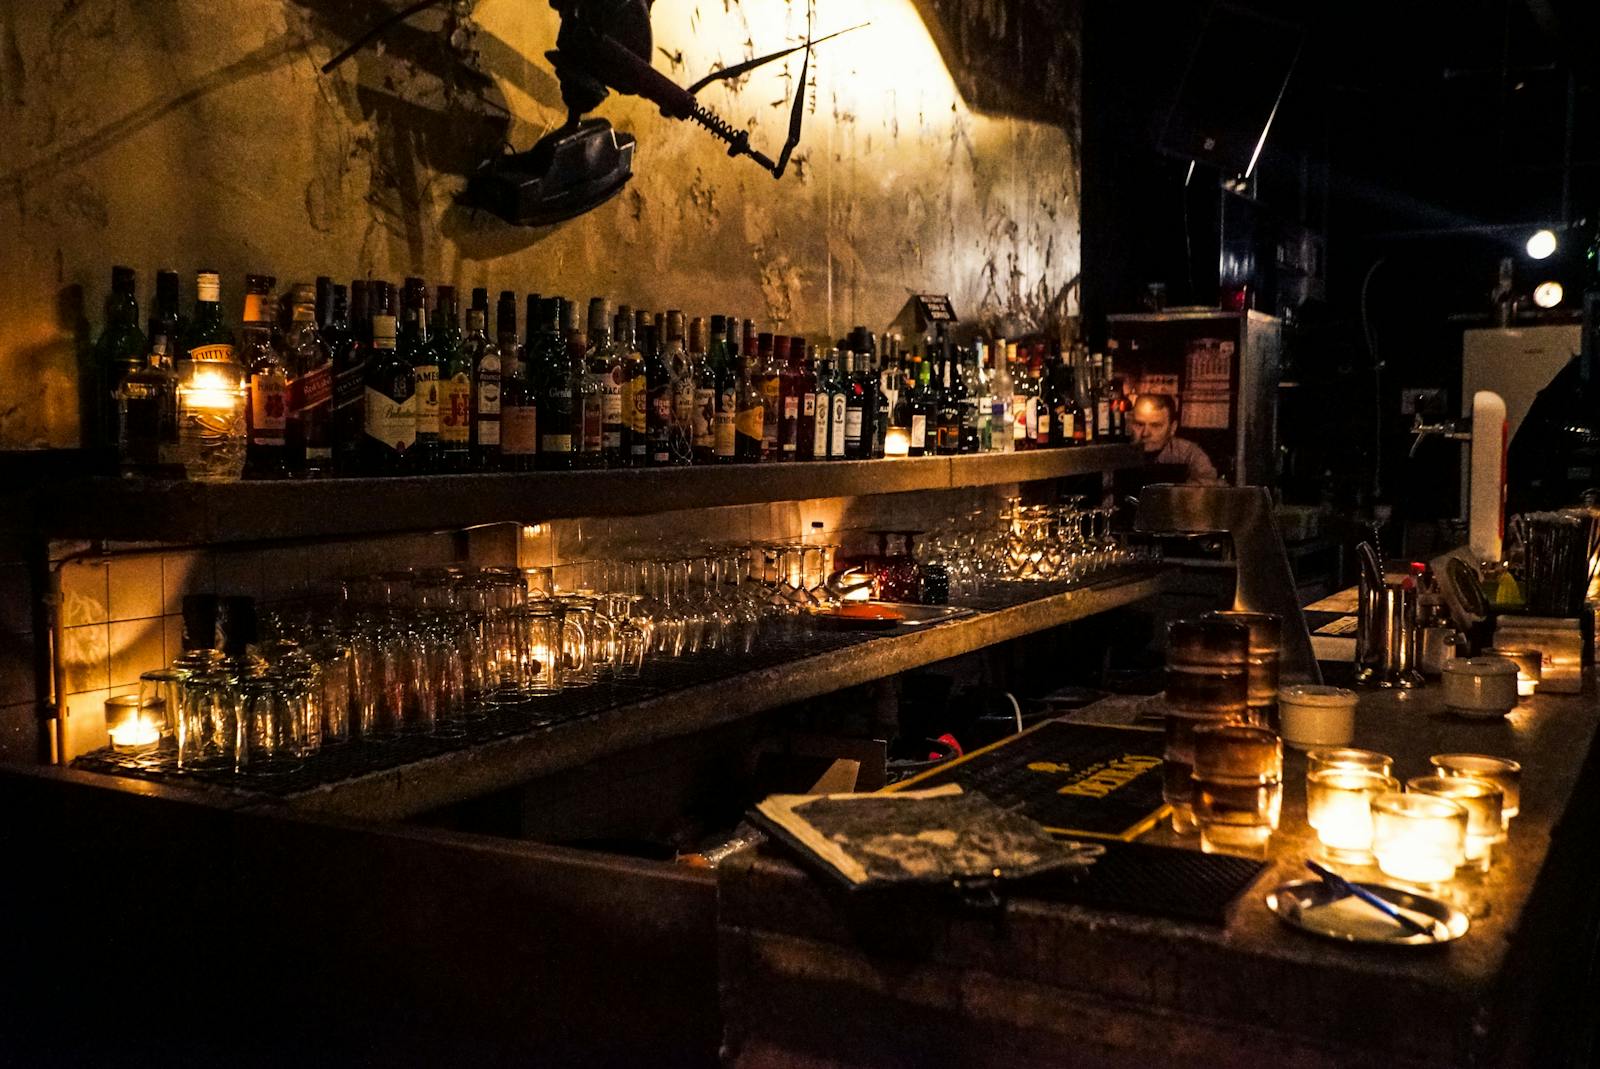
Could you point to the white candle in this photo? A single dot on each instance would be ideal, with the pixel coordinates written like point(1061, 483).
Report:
point(1419, 838)
point(135, 735)
point(896, 442)
point(1339, 807)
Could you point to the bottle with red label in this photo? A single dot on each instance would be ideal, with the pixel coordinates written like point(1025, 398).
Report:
point(266, 415)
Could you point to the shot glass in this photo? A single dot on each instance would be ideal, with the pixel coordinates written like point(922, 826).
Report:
point(1237, 787)
point(1482, 801)
point(1501, 771)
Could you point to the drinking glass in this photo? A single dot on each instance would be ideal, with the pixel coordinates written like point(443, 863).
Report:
point(1481, 799)
point(208, 701)
point(1350, 759)
point(1238, 787)
point(1419, 838)
point(270, 714)
point(1501, 771)
point(542, 627)
point(1339, 808)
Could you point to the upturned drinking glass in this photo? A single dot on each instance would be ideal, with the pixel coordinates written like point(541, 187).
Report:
point(1238, 787)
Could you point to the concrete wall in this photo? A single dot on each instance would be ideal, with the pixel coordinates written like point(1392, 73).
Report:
point(176, 133)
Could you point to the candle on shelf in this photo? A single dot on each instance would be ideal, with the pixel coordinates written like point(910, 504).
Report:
point(132, 726)
point(1481, 799)
point(1419, 838)
point(1339, 807)
point(896, 442)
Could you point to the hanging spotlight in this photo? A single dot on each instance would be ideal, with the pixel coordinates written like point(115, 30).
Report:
point(1547, 294)
point(1541, 244)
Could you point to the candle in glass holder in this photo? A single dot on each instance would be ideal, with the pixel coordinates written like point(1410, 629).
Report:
point(1347, 758)
point(131, 725)
point(896, 442)
point(1419, 838)
point(1530, 666)
point(1481, 799)
point(1339, 807)
point(1500, 771)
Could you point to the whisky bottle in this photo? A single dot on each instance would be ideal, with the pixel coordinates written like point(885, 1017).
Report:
point(519, 412)
point(267, 416)
point(310, 400)
point(147, 397)
point(769, 381)
point(703, 385)
point(658, 398)
point(723, 364)
point(415, 345)
point(551, 375)
point(605, 367)
point(950, 398)
point(788, 400)
point(483, 357)
point(805, 388)
point(455, 385)
point(505, 333)
point(750, 423)
point(390, 416)
point(594, 390)
point(118, 350)
point(635, 396)
point(351, 348)
point(680, 369)
point(1002, 406)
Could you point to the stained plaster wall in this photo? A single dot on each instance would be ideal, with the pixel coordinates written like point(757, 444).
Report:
point(180, 133)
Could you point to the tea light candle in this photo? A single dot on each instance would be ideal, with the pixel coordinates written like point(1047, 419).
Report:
point(1419, 838)
point(896, 442)
point(1349, 759)
point(1481, 799)
point(1339, 807)
point(1501, 771)
point(1530, 666)
point(132, 727)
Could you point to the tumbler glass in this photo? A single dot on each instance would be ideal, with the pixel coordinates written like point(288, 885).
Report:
point(1238, 787)
point(541, 624)
point(158, 694)
point(1501, 771)
point(1339, 807)
point(266, 727)
point(208, 720)
point(1419, 838)
point(1481, 799)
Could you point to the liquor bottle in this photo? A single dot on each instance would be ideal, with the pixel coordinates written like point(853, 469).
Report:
point(1022, 402)
point(635, 390)
point(723, 364)
point(820, 403)
point(611, 360)
point(390, 416)
point(147, 397)
point(212, 390)
point(593, 365)
point(976, 409)
point(483, 357)
point(838, 405)
point(309, 430)
point(350, 334)
point(925, 408)
point(1041, 389)
point(950, 397)
point(680, 430)
point(551, 374)
point(768, 375)
point(519, 412)
point(1119, 398)
point(455, 385)
point(805, 388)
point(788, 426)
point(751, 420)
point(1100, 390)
point(1002, 392)
point(658, 397)
point(415, 346)
point(530, 327)
point(1075, 383)
point(703, 382)
point(505, 333)
point(267, 416)
point(855, 405)
point(874, 415)
point(118, 350)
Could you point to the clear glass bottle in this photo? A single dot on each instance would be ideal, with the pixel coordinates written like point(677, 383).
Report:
point(212, 391)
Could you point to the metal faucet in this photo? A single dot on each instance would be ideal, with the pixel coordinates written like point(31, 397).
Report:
point(1457, 430)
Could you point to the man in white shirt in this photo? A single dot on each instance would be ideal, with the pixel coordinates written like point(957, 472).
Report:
point(1155, 427)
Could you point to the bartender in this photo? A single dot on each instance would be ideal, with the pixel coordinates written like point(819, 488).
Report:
point(1155, 427)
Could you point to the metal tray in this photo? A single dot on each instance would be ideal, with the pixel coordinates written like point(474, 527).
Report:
point(1311, 906)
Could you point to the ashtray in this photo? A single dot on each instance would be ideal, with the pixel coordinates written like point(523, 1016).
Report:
point(1313, 906)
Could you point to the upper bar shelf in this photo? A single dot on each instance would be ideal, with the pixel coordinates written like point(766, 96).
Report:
point(141, 510)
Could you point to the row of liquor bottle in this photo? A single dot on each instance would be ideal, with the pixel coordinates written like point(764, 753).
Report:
point(374, 379)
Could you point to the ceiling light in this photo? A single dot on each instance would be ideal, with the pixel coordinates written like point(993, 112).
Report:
point(1541, 244)
point(1547, 294)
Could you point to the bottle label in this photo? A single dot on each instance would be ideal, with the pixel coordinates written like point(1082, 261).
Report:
point(394, 423)
point(836, 425)
point(1020, 408)
point(269, 408)
point(705, 416)
point(519, 430)
point(211, 352)
point(852, 425)
point(427, 396)
point(1069, 425)
point(611, 412)
point(489, 387)
point(594, 436)
point(489, 431)
point(817, 407)
point(455, 409)
point(919, 432)
point(555, 443)
point(1102, 418)
point(312, 390)
point(751, 422)
point(637, 402)
point(348, 387)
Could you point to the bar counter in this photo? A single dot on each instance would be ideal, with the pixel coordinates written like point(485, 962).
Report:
point(326, 939)
point(1056, 984)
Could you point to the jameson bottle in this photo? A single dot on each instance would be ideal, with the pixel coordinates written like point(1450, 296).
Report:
point(415, 345)
point(455, 384)
point(120, 349)
point(267, 415)
point(551, 374)
point(390, 431)
point(483, 357)
point(519, 414)
point(350, 353)
point(724, 367)
point(310, 409)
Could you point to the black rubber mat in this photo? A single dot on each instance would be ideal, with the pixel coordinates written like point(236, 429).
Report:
point(1157, 881)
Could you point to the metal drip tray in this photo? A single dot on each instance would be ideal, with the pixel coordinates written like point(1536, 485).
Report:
point(923, 615)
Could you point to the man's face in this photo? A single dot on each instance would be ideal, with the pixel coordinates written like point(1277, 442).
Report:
point(1152, 426)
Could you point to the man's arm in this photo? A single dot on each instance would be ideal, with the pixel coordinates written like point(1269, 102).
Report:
point(1200, 469)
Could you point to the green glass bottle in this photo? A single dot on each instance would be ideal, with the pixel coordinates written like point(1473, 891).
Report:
point(120, 349)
